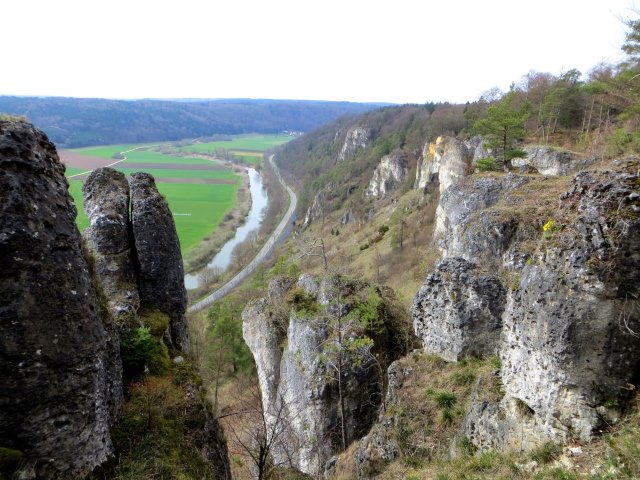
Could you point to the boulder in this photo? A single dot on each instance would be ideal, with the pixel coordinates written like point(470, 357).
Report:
point(457, 312)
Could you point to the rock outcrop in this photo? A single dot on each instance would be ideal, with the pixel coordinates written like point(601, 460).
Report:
point(161, 274)
point(65, 304)
point(569, 269)
point(388, 175)
point(54, 398)
point(316, 366)
point(458, 311)
point(443, 162)
point(109, 243)
point(356, 139)
point(552, 161)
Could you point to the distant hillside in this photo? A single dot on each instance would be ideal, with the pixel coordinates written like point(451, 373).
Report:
point(317, 158)
point(76, 122)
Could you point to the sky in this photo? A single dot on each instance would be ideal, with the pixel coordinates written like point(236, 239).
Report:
point(396, 51)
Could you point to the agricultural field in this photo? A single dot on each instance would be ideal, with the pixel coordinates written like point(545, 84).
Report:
point(249, 148)
point(199, 191)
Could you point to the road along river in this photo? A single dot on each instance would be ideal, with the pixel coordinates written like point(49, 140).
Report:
point(278, 234)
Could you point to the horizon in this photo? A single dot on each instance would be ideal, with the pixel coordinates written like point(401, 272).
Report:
point(358, 52)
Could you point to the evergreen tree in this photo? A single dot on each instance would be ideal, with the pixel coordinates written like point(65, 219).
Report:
point(504, 125)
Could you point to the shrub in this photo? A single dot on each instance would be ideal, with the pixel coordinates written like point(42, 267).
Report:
point(138, 349)
point(545, 453)
point(302, 301)
point(487, 164)
point(445, 399)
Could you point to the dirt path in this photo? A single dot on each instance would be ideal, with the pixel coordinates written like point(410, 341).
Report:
point(76, 160)
point(278, 234)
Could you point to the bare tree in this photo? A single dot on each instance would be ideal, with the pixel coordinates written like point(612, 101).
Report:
point(256, 434)
point(315, 248)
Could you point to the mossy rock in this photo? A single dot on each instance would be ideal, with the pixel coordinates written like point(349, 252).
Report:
point(156, 321)
point(159, 362)
point(10, 461)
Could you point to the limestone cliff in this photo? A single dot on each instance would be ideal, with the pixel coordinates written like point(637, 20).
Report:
point(54, 391)
point(356, 139)
point(319, 363)
point(553, 292)
point(388, 175)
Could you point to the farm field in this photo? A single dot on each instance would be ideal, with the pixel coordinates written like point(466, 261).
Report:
point(249, 148)
point(199, 191)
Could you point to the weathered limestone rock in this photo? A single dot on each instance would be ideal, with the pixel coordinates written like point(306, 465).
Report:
point(457, 312)
point(445, 162)
point(54, 404)
point(552, 161)
point(316, 210)
point(388, 175)
point(478, 150)
point(455, 218)
point(567, 344)
point(356, 139)
point(297, 372)
point(567, 341)
point(161, 274)
point(108, 242)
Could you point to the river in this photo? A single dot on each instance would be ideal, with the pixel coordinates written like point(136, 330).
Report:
point(259, 200)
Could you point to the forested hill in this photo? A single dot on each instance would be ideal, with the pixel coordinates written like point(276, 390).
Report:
point(76, 122)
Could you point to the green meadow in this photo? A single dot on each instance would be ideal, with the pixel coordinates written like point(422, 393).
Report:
point(249, 148)
point(197, 208)
point(257, 143)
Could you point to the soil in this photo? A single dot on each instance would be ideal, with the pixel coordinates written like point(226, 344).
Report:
point(73, 159)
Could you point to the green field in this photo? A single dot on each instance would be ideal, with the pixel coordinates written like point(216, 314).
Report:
point(197, 208)
point(69, 171)
point(160, 173)
point(106, 151)
point(147, 156)
point(257, 143)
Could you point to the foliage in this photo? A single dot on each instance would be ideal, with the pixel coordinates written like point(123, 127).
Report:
point(302, 301)
point(487, 164)
point(76, 122)
point(156, 436)
point(546, 453)
point(504, 125)
point(225, 338)
point(369, 312)
point(10, 461)
point(138, 348)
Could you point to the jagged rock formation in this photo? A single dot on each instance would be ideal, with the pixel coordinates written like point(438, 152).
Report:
point(316, 210)
point(552, 161)
point(466, 226)
point(54, 404)
point(161, 274)
point(64, 306)
point(388, 175)
point(567, 342)
point(458, 311)
point(356, 139)
point(109, 244)
point(444, 162)
point(305, 384)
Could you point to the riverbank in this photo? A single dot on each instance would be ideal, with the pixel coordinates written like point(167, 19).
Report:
point(200, 255)
point(276, 236)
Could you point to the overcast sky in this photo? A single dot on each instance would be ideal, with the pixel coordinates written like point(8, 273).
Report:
point(356, 50)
